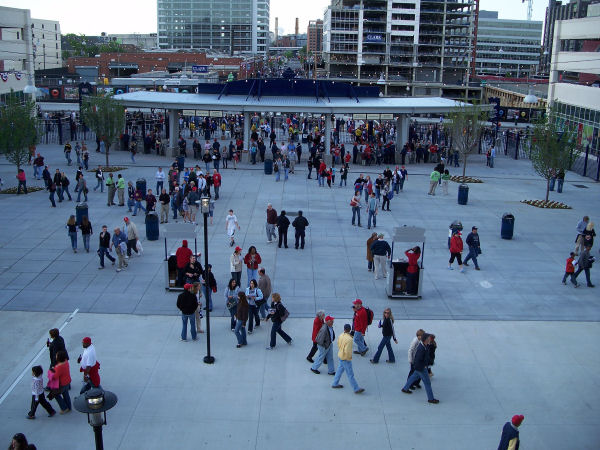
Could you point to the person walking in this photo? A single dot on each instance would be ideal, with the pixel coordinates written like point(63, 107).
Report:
point(37, 393)
point(52, 190)
point(64, 183)
point(345, 362)
point(271, 223)
point(579, 240)
point(570, 270)
point(420, 363)
point(71, 226)
point(231, 300)
point(509, 440)
point(235, 265)
point(283, 223)
point(253, 295)
point(119, 242)
point(89, 365)
point(86, 232)
point(63, 373)
point(387, 331)
point(278, 314)
point(55, 345)
point(317, 324)
point(300, 223)
point(99, 179)
point(412, 349)
point(252, 261)
point(264, 284)
point(323, 340)
point(584, 264)
point(104, 246)
point(22, 179)
point(187, 303)
point(434, 180)
point(372, 209)
point(231, 223)
point(355, 205)
point(370, 263)
point(474, 247)
point(589, 234)
point(241, 317)
point(456, 248)
point(360, 322)
point(381, 253)
point(131, 232)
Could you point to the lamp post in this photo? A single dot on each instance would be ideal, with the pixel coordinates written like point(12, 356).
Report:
point(205, 210)
point(95, 402)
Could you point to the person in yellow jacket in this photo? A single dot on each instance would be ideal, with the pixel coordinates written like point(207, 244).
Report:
point(345, 356)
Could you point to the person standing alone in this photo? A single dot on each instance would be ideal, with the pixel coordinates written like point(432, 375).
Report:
point(271, 222)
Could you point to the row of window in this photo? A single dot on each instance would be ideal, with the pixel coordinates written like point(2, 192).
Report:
point(571, 112)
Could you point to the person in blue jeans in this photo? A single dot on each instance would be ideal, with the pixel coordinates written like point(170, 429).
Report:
point(187, 303)
point(277, 314)
point(372, 208)
point(420, 364)
point(355, 204)
point(345, 357)
point(324, 341)
point(241, 317)
point(387, 330)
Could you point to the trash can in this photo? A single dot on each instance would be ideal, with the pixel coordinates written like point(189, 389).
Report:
point(463, 194)
point(80, 211)
point(268, 166)
point(141, 185)
point(152, 226)
point(180, 163)
point(508, 226)
point(456, 225)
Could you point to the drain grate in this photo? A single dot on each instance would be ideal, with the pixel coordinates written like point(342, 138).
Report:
point(580, 186)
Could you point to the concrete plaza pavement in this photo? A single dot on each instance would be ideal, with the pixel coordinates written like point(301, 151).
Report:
point(511, 338)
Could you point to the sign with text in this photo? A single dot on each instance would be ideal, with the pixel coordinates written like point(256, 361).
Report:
point(199, 69)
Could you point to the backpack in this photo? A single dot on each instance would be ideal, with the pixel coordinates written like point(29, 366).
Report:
point(285, 314)
point(369, 316)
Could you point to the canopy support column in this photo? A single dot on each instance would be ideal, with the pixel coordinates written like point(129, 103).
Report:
point(327, 134)
point(173, 130)
point(246, 131)
point(402, 133)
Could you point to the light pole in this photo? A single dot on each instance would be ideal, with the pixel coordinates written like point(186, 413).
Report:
point(95, 402)
point(205, 210)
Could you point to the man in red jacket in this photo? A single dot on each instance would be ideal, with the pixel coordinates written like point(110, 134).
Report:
point(182, 255)
point(216, 178)
point(360, 322)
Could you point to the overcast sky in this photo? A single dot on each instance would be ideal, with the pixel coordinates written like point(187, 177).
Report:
point(129, 16)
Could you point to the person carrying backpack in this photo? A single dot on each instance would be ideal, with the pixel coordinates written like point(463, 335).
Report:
point(278, 314)
point(362, 319)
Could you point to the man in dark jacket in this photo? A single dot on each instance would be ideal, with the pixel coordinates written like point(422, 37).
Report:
point(283, 223)
point(300, 223)
point(271, 223)
point(585, 264)
point(56, 345)
point(324, 339)
point(187, 304)
point(420, 364)
point(381, 251)
point(510, 434)
point(474, 247)
point(103, 247)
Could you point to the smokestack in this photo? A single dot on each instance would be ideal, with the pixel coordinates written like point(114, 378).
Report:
point(297, 27)
point(276, 29)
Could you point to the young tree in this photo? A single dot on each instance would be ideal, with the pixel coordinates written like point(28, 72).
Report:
point(18, 129)
point(465, 128)
point(552, 148)
point(105, 116)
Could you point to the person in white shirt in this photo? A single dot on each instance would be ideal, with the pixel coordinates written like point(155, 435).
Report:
point(412, 349)
point(492, 156)
point(160, 179)
point(231, 223)
point(89, 365)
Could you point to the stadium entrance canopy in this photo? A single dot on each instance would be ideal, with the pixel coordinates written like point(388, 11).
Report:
point(288, 96)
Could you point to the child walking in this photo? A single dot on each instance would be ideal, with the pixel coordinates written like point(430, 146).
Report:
point(445, 179)
point(37, 393)
point(570, 270)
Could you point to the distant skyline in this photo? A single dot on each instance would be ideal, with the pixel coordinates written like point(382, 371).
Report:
point(115, 16)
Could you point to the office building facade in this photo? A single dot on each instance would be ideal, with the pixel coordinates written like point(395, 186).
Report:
point(314, 38)
point(47, 47)
point(231, 26)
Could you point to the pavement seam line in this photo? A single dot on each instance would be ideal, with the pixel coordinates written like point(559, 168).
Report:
point(27, 368)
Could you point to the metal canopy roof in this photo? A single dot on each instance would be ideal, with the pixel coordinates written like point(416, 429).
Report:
point(299, 104)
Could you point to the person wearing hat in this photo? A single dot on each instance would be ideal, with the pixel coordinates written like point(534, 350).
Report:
point(381, 253)
point(474, 247)
point(510, 434)
point(187, 302)
point(89, 365)
point(235, 265)
point(360, 322)
point(345, 356)
point(300, 223)
point(456, 248)
point(420, 363)
point(324, 339)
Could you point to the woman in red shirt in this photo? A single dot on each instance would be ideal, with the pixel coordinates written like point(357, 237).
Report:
point(63, 373)
point(412, 271)
point(252, 261)
point(22, 181)
point(456, 248)
point(317, 324)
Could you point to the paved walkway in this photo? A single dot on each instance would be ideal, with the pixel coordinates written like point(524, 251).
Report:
point(511, 338)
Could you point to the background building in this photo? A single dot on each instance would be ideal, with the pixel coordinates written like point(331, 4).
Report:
point(507, 47)
point(413, 47)
point(314, 38)
point(234, 26)
point(575, 78)
point(142, 41)
point(16, 50)
point(47, 46)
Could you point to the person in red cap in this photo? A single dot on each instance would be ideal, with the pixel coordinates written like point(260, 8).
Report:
point(187, 302)
point(360, 322)
point(89, 365)
point(182, 255)
point(510, 434)
point(317, 325)
point(324, 339)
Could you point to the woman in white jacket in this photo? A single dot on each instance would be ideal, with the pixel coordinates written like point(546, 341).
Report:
point(235, 265)
point(411, 358)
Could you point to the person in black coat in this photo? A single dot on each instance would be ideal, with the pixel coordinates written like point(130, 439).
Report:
point(187, 302)
point(300, 223)
point(283, 223)
point(387, 330)
point(420, 364)
point(56, 345)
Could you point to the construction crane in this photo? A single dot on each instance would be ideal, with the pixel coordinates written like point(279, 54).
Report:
point(529, 8)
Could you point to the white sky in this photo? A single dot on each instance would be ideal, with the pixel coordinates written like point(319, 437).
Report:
point(129, 16)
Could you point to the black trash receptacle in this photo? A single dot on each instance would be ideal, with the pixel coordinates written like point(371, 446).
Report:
point(152, 226)
point(508, 226)
point(141, 185)
point(80, 211)
point(268, 166)
point(180, 163)
point(463, 194)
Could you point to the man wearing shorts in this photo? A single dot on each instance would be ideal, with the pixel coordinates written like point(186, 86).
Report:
point(230, 225)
